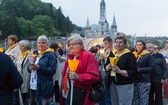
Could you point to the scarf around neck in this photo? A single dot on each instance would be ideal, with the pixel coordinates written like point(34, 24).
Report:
point(22, 55)
point(47, 50)
point(105, 55)
point(138, 56)
point(11, 47)
point(123, 52)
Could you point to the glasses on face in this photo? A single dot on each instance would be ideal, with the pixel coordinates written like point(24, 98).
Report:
point(72, 44)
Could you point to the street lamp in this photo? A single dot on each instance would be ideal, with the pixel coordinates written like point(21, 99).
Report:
point(5, 44)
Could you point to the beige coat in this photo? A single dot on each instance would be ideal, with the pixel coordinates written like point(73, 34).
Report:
point(25, 75)
point(14, 52)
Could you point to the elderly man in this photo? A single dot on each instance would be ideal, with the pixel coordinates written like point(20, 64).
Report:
point(157, 77)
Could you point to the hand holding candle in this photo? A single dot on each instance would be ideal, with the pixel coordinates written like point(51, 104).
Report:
point(32, 58)
point(73, 64)
point(113, 62)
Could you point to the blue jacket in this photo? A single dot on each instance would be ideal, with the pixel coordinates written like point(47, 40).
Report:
point(47, 67)
point(145, 67)
point(10, 79)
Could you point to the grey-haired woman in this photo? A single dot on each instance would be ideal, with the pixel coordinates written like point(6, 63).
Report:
point(42, 72)
point(22, 63)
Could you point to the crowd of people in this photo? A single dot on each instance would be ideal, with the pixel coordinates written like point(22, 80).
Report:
point(138, 76)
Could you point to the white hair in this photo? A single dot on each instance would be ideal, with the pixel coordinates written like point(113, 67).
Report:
point(150, 44)
point(43, 37)
point(77, 39)
point(26, 43)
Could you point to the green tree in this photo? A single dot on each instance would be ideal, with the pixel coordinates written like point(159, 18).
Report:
point(23, 26)
point(44, 25)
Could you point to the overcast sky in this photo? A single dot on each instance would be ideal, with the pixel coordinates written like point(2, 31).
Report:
point(140, 17)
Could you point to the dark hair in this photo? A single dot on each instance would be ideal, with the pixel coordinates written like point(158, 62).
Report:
point(132, 49)
point(143, 42)
point(54, 45)
point(98, 46)
point(107, 39)
point(93, 49)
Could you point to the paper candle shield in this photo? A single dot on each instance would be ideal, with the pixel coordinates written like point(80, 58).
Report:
point(113, 61)
point(73, 64)
point(32, 58)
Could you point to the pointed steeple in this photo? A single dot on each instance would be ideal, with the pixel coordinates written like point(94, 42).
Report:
point(103, 24)
point(114, 27)
point(87, 29)
point(114, 22)
point(102, 4)
point(87, 24)
point(102, 10)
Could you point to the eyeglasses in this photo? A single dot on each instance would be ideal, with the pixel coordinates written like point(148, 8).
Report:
point(72, 44)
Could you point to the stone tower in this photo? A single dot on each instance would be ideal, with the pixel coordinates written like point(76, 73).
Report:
point(87, 29)
point(114, 27)
point(103, 26)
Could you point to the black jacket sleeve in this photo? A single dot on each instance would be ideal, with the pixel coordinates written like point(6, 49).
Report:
point(10, 78)
point(13, 77)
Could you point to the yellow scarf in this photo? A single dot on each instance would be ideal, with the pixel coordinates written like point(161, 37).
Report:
point(105, 53)
point(47, 50)
point(22, 55)
point(1, 49)
point(117, 57)
point(135, 54)
point(124, 52)
point(138, 56)
point(98, 52)
point(11, 47)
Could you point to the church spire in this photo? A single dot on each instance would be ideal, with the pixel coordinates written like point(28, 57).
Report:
point(102, 5)
point(102, 9)
point(87, 23)
point(87, 29)
point(114, 22)
point(103, 24)
point(114, 27)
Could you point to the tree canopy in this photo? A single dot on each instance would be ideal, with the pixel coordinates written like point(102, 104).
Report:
point(31, 18)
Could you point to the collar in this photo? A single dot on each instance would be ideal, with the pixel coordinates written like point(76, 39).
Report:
point(11, 47)
point(47, 50)
point(123, 52)
point(138, 56)
point(22, 55)
point(71, 56)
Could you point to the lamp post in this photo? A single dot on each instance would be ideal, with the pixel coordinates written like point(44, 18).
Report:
point(135, 39)
point(5, 44)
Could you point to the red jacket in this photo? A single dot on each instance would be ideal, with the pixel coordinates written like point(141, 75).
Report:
point(87, 71)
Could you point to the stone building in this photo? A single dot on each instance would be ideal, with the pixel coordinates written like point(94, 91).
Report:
point(103, 25)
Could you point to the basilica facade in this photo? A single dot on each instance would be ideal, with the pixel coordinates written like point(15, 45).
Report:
point(103, 25)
